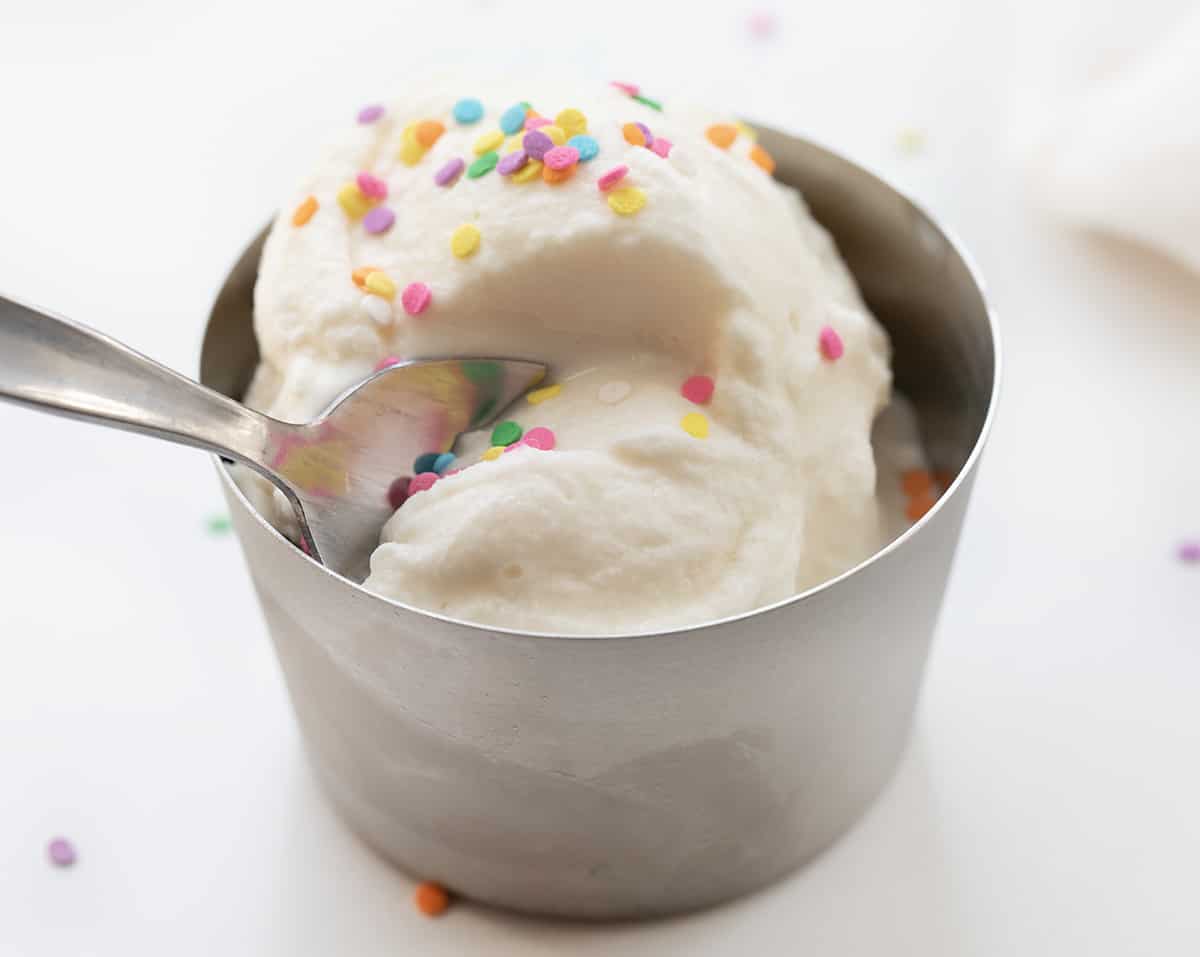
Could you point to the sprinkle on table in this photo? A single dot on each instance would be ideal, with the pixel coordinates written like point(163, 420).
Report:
point(380, 283)
point(218, 524)
point(488, 142)
point(831, 344)
point(536, 144)
point(512, 162)
point(762, 158)
point(429, 132)
point(468, 111)
point(352, 200)
point(513, 118)
point(561, 158)
point(531, 170)
point(611, 393)
point(588, 147)
point(483, 165)
point(379, 220)
point(629, 89)
point(538, 396)
point(416, 298)
point(397, 492)
point(1189, 552)
point(506, 433)
point(450, 172)
point(61, 852)
point(464, 241)
point(612, 177)
point(626, 201)
point(721, 134)
point(378, 309)
point(431, 899)
point(304, 212)
point(698, 389)
point(695, 425)
point(424, 462)
point(540, 438)
point(371, 186)
point(370, 113)
point(571, 121)
point(646, 101)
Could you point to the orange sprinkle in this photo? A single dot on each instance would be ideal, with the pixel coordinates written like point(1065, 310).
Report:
point(916, 482)
point(557, 175)
point(721, 134)
point(431, 899)
point(918, 505)
point(633, 134)
point(428, 131)
point(762, 158)
point(360, 275)
point(304, 212)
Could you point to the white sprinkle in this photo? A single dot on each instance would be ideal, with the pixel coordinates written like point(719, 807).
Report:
point(379, 309)
point(613, 392)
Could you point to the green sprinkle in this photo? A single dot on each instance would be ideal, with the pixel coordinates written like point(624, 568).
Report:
point(219, 524)
point(506, 433)
point(645, 100)
point(485, 164)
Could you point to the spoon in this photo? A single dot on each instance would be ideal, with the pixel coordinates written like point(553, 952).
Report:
point(336, 471)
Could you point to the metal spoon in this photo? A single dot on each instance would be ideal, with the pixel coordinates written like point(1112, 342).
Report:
point(336, 470)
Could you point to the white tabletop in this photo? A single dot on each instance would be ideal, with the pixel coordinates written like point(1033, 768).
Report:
point(1048, 803)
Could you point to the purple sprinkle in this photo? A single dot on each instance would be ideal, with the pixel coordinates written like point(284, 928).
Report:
point(369, 114)
point(1190, 551)
point(379, 220)
point(645, 129)
point(450, 172)
point(536, 144)
point(61, 853)
point(512, 162)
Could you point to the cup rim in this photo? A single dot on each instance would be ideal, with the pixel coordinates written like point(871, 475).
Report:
point(899, 542)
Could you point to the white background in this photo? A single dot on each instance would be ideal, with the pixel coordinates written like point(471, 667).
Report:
point(1049, 801)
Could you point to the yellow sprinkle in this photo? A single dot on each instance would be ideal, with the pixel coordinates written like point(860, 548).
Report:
point(695, 425)
point(572, 122)
point(556, 134)
point(381, 284)
point(493, 453)
point(488, 142)
point(411, 152)
point(515, 143)
point(465, 240)
point(353, 201)
point(626, 201)
point(538, 396)
point(910, 141)
point(529, 171)
point(746, 130)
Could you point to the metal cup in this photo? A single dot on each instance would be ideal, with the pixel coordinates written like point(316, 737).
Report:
point(620, 777)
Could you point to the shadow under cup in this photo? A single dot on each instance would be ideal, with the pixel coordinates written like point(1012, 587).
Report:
point(639, 776)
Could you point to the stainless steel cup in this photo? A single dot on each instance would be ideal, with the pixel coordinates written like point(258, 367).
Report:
point(636, 776)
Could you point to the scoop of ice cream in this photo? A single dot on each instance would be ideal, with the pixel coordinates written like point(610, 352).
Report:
point(659, 505)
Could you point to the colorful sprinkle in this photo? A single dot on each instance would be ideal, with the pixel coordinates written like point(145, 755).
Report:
point(537, 144)
point(387, 362)
point(304, 212)
point(379, 310)
point(411, 152)
point(513, 118)
point(556, 133)
point(746, 130)
point(538, 396)
point(588, 147)
point(381, 284)
point(910, 141)
point(360, 275)
point(533, 122)
point(422, 481)
point(1189, 552)
point(468, 111)
point(219, 524)
point(488, 142)
point(351, 199)
point(556, 175)
point(918, 505)
point(612, 177)
point(465, 240)
point(429, 132)
point(379, 220)
point(721, 134)
point(695, 425)
point(698, 389)
point(512, 162)
point(492, 453)
point(561, 157)
point(61, 852)
point(485, 164)
point(611, 393)
point(571, 121)
point(661, 146)
point(629, 89)
point(762, 158)
point(540, 438)
point(633, 133)
point(424, 462)
point(443, 462)
point(416, 298)
point(626, 201)
point(831, 343)
point(398, 491)
point(646, 101)
point(371, 113)
point(371, 186)
point(450, 172)
point(916, 482)
point(431, 899)
point(530, 170)
point(762, 24)
point(646, 133)
point(507, 432)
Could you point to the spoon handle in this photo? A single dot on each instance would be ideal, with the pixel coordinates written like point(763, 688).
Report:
point(59, 366)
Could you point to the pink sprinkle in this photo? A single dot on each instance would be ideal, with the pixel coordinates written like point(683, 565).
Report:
point(369, 114)
point(416, 298)
point(831, 343)
point(539, 438)
point(632, 89)
point(1189, 552)
point(421, 482)
point(387, 362)
point(612, 177)
point(371, 186)
point(533, 122)
point(662, 147)
point(61, 852)
point(451, 472)
point(397, 492)
point(450, 172)
point(378, 220)
point(561, 157)
point(762, 24)
point(698, 389)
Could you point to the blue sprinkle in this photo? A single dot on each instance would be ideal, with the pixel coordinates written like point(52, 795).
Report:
point(443, 462)
point(425, 463)
point(468, 111)
point(587, 146)
point(513, 119)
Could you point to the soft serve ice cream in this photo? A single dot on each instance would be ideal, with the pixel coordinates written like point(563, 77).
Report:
point(703, 445)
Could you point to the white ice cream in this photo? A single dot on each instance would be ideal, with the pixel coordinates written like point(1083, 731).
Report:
point(631, 523)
